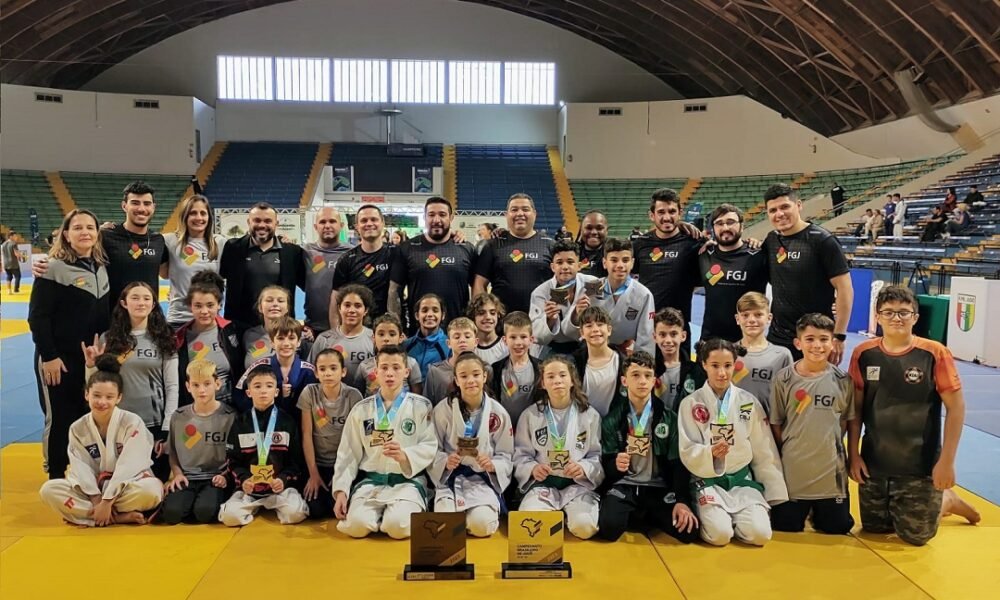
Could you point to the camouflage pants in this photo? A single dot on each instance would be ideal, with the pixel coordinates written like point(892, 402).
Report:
point(908, 506)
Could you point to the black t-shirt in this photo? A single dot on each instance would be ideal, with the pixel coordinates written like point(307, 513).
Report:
point(132, 257)
point(726, 276)
point(592, 261)
point(262, 269)
point(444, 269)
point(800, 267)
point(371, 270)
point(669, 268)
point(515, 267)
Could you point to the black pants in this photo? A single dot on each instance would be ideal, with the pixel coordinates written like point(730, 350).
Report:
point(198, 502)
point(642, 508)
point(321, 506)
point(62, 405)
point(838, 208)
point(829, 515)
point(161, 464)
point(15, 276)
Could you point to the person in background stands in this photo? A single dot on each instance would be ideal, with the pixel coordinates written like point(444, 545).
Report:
point(11, 262)
point(837, 198)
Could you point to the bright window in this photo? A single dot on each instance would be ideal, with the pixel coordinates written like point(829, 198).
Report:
point(245, 78)
point(302, 79)
point(360, 80)
point(529, 83)
point(418, 81)
point(473, 82)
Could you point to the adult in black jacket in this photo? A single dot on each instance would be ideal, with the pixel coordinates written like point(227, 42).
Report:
point(255, 261)
point(68, 308)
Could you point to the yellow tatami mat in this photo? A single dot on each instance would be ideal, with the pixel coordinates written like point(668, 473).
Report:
point(310, 559)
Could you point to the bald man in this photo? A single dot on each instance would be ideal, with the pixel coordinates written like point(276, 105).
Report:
point(321, 258)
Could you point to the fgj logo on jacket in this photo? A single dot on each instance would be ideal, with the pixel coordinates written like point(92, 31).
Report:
point(259, 349)
point(739, 371)
point(432, 260)
point(516, 255)
point(965, 311)
point(368, 270)
point(197, 351)
point(585, 264)
point(715, 274)
point(656, 254)
point(135, 251)
point(190, 436)
point(803, 398)
point(80, 282)
point(318, 263)
point(190, 255)
point(784, 255)
point(319, 417)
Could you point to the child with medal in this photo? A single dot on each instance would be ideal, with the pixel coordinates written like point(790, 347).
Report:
point(473, 464)
point(726, 444)
point(648, 485)
point(387, 443)
point(263, 457)
point(557, 450)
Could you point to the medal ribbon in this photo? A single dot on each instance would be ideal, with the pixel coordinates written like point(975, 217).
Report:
point(621, 290)
point(724, 406)
point(559, 441)
point(470, 425)
point(383, 419)
point(638, 424)
point(264, 441)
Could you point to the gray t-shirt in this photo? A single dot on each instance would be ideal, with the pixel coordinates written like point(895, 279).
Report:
point(600, 383)
point(516, 387)
point(7, 250)
point(755, 371)
point(643, 470)
point(440, 377)
point(810, 410)
point(328, 418)
point(667, 384)
point(205, 345)
point(320, 264)
point(184, 263)
point(151, 382)
point(367, 374)
point(198, 443)
point(257, 345)
point(355, 350)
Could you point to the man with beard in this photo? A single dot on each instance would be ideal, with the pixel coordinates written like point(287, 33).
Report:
point(321, 259)
point(517, 262)
point(433, 263)
point(368, 263)
point(729, 269)
point(807, 269)
point(593, 234)
point(259, 259)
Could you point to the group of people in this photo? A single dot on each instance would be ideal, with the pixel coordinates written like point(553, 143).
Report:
point(553, 375)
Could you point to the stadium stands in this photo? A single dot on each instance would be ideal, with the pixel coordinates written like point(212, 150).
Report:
point(624, 201)
point(102, 193)
point(24, 190)
point(250, 172)
point(488, 175)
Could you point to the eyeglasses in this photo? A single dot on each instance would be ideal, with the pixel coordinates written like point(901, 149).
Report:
point(728, 223)
point(888, 315)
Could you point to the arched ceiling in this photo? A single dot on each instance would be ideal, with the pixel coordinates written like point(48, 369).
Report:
point(828, 64)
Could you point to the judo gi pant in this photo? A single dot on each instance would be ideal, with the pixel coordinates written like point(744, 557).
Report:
point(321, 506)
point(908, 506)
point(480, 521)
point(582, 512)
point(751, 524)
point(241, 508)
point(642, 507)
point(829, 515)
point(369, 511)
point(198, 502)
point(66, 498)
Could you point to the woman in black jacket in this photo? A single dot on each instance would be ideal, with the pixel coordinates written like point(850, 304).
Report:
point(208, 336)
point(68, 309)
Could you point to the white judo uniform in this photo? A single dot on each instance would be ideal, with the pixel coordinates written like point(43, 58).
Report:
point(116, 469)
point(727, 490)
point(564, 330)
point(631, 317)
point(468, 488)
point(575, 497)
point(385, 496)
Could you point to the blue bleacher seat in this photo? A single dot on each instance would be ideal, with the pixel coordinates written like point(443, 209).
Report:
point(249, 172)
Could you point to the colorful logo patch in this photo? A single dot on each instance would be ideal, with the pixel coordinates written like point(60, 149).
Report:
point(190, 255)
point(319, 417)
point(656, 254)
point(585, 263)
point(510, 387)
point(408, 426)
point(371, 382)
point(965, 311)
point(259, 349)
point(715, 274)
point(700, 413)
point(197, 351)
point(69, 503)
point(318, 263)
point(135, 251)
point(782, 255)
point(368, 270)
point(432, 260)
point(660, 388)
point(495, 423)
point(80, 282)
point(190, 436)
point(516, 255)
point(739, 371)
point(803, 398)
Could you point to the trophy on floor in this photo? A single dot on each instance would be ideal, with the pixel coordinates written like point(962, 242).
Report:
point(535, 546)
point(437, 548)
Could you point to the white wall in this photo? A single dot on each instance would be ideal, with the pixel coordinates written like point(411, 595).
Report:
point(204, 122)
point(435, 29)
point(96, 132)
point(735, 136)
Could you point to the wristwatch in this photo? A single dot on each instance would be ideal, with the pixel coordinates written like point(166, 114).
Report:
point(840, 337)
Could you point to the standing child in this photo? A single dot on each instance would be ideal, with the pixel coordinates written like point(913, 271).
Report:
point(263, 452)
point(388, 442)
point(629, 302)
point(351, 338)
point(557, 450)
point(324, 406)
point(486, 311)
point(429, 345)
point(272, 305)
point(676, 373)
point(109, 479)
point(647, 484)
point(293, 373)
point(440, 381)
point(197, 448)
point(598, 364)
point(727, 446)
point(901, 381)
point(388, 332)
point(755, 371)
point(811, 405)
point(473, 464)
point(553, 302)
point(514, 377)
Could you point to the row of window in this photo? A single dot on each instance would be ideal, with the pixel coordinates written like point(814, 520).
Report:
point(370, 81)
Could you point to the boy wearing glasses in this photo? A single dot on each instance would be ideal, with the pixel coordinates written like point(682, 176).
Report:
point(900, 383)
point(728, 270)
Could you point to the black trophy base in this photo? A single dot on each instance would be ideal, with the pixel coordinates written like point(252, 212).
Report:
point(430, 573)
point(559, 570)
